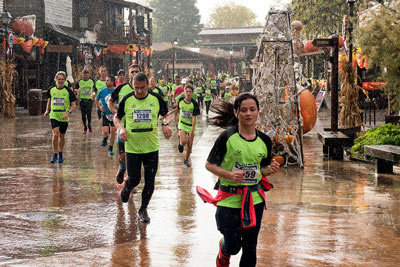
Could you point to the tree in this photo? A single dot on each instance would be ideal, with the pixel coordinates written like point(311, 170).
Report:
point(379, 39)
point(175, 19)
point(321, 18)
point(232, 15)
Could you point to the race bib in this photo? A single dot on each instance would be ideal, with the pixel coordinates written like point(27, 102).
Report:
point(186, 114)
point(86, 93)
point(58, 101)
point(251, 172)
point(110, 116)
point(142, 115)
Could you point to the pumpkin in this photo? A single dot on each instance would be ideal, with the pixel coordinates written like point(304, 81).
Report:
point(28, 29)
point(22, 27)
point(279, 159)
point(308, 110)
point(289, 139)
point(16, 26)
point(309, 47)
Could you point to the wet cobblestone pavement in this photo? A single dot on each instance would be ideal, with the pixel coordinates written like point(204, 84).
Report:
point(330, 213)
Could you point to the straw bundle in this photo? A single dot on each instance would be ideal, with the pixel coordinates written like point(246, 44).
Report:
point(349, 112)
point(7, 74)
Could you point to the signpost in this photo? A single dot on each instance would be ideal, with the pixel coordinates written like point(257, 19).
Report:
point(334, 43)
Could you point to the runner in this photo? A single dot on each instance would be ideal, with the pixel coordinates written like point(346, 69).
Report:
point(241, 158)
point(188, 110)
point(120, 77)
point(200, 94)
point(214, 90)
point(140, 134)
point(85, 89)
point(227, 94)
point(165, 89)
point(154, 88)
point(61, 103)
point(100, 84)
point(107, 116)
point(119, 92)
point(207, 98)
point(174, 86)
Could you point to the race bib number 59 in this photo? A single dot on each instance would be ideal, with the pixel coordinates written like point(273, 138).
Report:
point(251, 172)
point(142, 115)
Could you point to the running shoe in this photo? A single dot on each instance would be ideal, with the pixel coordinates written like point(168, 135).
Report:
point(125, 193)
point(222, 260)
point(110, 151)
point(104, 142)
point(180, 147)
point(90, 130)
point(120, 176)
point(143, 216)
point(54, 159)
point(84, 131)
point(60, 158)
point(187, 164)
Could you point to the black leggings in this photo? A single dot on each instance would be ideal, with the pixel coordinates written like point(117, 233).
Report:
point(200, 101)
point(86, 111)
point(208, 104)
point(134, 166)
point(228, 223)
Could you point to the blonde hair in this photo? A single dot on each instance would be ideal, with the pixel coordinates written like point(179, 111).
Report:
point(60, 73)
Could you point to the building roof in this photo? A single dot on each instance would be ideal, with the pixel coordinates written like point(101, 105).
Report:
point(237, 30)
point(210, 52)
point(129, 4)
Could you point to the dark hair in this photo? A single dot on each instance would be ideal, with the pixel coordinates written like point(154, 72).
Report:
point(225, 116)
point(190, 87)
point(141, 77)
point(112, 78)
point(177, 76)
point(135, 66)
point(85, 71)
point(190, 81)
point(121, 72)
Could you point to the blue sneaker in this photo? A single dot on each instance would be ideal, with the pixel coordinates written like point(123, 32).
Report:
point(54, 159)
point(110, 151)
point(104, 142)
point(186, 162)
point(60, 158)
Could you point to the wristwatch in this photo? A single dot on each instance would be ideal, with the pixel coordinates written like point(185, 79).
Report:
point(164, 123)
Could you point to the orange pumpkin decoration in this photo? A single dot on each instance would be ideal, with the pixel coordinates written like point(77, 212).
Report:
point(279, 159)
point(22, 27)
point(289, 139)
point(309, 47)
point(308, 110)
point(16, 26)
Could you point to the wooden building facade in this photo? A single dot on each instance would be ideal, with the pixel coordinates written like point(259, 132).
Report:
point(73, 27)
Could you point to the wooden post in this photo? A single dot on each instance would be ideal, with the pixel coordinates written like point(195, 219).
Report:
point(335, 85)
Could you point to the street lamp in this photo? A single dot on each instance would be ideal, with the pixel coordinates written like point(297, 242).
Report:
point(175, 42)
point(231, 53)
point(351, 6)
point(5, 18)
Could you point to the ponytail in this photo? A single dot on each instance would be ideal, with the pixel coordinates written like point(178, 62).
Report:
point(225, 117)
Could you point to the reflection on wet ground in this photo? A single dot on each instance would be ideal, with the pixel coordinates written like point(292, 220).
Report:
point(330, 213)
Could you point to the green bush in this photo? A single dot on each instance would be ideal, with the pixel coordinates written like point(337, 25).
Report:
point(386, 134)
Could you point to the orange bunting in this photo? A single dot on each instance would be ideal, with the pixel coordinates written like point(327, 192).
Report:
point(27, 46)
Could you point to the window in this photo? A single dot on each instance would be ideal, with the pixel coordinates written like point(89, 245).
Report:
point(83, 22)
